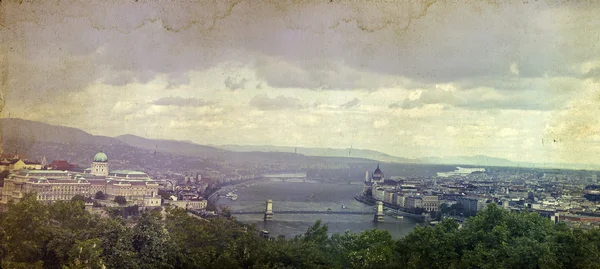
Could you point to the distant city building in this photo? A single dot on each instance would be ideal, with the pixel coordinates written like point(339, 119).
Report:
point(18, 164)
point(471, 205)
point(371, 183)
point(430, 203)
point(60, 165)
point(460, 171)
point(413, 202)
point(377, 175)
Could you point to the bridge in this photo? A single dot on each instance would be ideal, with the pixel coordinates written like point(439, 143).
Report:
point(304, 212)
point(269, 213)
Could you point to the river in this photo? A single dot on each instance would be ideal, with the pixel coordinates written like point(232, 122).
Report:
point(294, 195)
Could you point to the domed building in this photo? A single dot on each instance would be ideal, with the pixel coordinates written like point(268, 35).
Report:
point(55, 185)
point(378, 175)
point(100, 164)
point(376, 179)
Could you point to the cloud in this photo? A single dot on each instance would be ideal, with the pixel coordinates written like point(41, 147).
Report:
point(380, 123)
point(593, 73)
point(175, 80)
point(351, 104)
point(395, 105)
point(311, 45)
point(264, 102)
point(234, 84)
point(428, 96)
point(556, 92)
point(323, 74)
point(181, 101)
point(514, 68)
point(508, 132)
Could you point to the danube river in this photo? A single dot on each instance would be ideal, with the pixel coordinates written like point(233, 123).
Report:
point(295, 195)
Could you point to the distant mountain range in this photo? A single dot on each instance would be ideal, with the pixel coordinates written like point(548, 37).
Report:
point(323, 152)
point(478, 160)
point(20, 135)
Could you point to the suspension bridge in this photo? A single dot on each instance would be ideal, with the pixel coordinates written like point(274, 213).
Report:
point(269, 213)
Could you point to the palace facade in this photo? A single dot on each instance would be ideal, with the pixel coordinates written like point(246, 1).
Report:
point(56, 185)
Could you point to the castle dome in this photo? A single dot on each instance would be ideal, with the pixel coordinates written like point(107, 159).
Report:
point(100, 157)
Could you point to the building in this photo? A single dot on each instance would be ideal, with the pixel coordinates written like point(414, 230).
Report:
point(377, 176)
point(461, 171)
point(430, 203)
point(378, 193)
point(400, 199)
point(51, 183)
point(56, 189)
point(413, 202)
point(55, 185)
point(100, 164)
point(19, 164)
point(131, 190)
point(471, 205)
point(370, 184)
point(196, 203)
point(388, 196)
point(60, 165)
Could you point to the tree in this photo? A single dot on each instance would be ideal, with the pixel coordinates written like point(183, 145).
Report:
point(166, 195)
point(226, 212)
point(86, 255)
point(120, 200)
point(78, 197)
point(4, 174)
point(369, 249)
point(100, 195)
point(151, 241)
point(444, 208)
point(116, 243)
point(25, 232)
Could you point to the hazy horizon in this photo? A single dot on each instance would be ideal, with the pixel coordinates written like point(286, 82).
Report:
point(519, 81)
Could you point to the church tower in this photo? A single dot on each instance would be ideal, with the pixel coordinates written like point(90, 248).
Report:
point(100, 164)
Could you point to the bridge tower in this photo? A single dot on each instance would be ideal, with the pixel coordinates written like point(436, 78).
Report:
point(379, 215)
point(269, 210)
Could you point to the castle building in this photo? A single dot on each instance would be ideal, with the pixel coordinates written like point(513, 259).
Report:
point(49, 184)
point(100, 164)
point(56, 185)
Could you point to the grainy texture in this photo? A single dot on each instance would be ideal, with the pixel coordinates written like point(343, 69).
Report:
point(516, 80)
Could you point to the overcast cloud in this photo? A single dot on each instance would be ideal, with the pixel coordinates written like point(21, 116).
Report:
point(392, 76)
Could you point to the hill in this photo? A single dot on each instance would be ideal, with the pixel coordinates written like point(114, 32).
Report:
point(20, 136)
point(322, 152)
point(35, 139)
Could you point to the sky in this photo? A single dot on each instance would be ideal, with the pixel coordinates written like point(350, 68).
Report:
point(518, 80)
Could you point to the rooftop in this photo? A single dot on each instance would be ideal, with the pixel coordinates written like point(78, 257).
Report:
point(100, 157)
point(128, 172)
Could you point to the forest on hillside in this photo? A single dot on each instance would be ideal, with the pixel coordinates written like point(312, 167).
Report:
point(64, 235)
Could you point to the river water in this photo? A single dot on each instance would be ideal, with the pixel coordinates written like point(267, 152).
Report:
point(296, 195)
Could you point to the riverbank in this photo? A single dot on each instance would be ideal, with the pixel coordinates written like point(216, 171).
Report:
point(391, 209)
point(308, 201)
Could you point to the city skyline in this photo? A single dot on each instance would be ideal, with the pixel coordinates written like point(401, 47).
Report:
point(518, 81)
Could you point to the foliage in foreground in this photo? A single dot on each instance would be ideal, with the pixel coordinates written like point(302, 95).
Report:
point(64, 235)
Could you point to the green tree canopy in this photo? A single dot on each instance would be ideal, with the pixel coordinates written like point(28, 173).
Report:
point(100, 195)
point(120, 200)
point(64, 235)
